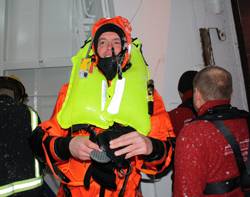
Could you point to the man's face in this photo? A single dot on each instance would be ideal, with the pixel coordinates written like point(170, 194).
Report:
point(106, 41)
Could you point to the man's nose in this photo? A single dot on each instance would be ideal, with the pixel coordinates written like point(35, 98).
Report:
point(110, 45)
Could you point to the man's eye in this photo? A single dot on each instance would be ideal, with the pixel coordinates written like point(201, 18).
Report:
point(102, 42)
point(117, 43)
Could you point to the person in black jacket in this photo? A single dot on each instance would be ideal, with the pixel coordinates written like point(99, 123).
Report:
point(19, 171)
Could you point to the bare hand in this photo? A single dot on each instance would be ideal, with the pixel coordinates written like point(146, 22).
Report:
point(80, 147)
point(134, 144)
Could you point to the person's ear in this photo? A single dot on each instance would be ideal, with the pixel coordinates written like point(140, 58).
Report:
point(197, 98)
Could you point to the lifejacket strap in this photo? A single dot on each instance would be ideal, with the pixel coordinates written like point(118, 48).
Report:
point(158, 151)
point(61, 148)
point(222, 187)
point(233, 143)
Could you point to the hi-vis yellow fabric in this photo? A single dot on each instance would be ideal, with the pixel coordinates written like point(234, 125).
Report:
point(90, 100)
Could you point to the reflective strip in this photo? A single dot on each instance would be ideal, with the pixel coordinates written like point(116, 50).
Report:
point(34, 124)
point(104, 93)
point(20, 186)
point(34, 119)
point(37, 169)
point(115, 103)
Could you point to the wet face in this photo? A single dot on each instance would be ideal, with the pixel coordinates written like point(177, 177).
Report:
point(106, 41)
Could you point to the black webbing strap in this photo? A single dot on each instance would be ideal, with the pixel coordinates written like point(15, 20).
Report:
point(248, 156)
point(233, 143)
point(86, 127)
point(60, 174)
point(66, 190)
point(231, 184)
point(122, 191)
point(222, 187)
point(226, 112)
point(248, 159)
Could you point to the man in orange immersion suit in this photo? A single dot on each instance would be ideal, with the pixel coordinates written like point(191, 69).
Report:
point(90, 159)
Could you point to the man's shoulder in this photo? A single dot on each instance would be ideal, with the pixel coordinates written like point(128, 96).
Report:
point(197, 123)
point(64, 87)
point(180, 109)
point(197, 127)
point(181, 114)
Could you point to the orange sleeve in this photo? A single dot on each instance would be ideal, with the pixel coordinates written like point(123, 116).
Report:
point(51, 127)
point(161, 126)
point(52, 131)
point(161, 129)
point(60, 100)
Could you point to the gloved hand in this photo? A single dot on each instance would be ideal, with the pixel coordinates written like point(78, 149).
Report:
point(103, 140)
point(102, 173)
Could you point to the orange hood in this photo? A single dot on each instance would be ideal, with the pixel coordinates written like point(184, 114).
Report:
point(123, 25)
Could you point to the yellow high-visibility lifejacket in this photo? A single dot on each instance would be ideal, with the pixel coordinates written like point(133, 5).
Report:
point(90, 100)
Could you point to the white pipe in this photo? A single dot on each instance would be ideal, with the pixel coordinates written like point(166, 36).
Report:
point(104, 8)
point(86, 11)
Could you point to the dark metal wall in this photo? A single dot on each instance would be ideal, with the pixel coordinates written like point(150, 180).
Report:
point(241, 11)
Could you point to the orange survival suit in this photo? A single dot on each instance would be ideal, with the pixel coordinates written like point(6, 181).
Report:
point(52, 140)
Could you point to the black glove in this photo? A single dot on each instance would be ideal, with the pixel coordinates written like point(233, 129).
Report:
point(103, 140)
point(102, 173)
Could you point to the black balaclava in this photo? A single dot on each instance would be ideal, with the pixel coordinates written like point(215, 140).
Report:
point(109, 65)
point(186, 81)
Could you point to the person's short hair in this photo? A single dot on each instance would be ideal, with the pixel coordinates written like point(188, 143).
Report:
point(186, 81)
point(213, 83)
